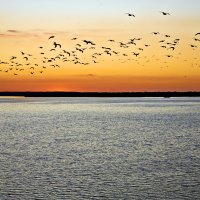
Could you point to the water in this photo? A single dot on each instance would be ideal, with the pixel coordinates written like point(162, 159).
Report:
point(99, 148)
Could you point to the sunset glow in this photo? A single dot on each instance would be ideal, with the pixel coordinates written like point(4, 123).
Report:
point(26, 26)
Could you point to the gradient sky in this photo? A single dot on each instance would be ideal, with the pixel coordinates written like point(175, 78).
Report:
point(27, 24)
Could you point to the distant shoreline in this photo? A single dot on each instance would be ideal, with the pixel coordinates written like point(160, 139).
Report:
point(100, 94)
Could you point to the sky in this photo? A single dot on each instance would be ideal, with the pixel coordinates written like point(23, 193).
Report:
point(26, 25)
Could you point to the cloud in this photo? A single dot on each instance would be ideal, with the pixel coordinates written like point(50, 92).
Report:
point(13, 31)
point(17, 34)
point(85, 75)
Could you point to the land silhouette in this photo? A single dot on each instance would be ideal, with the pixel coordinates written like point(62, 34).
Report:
point(102, 94)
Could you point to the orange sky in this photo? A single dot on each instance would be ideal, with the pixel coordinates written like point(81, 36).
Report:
point(152, 70)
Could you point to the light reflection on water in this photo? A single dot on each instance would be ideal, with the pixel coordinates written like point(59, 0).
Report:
point(99, 148)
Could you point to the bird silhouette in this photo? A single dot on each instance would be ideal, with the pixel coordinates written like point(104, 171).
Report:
point(172, 48)
point(130, 15)
point(26, 58)
point(88, 42)
point(165, 13)
point(193, 46)
point(136, 54)
point(56, 45)
point(13, 58)
point(197, 40)
point(51, 37)
point(197, 34)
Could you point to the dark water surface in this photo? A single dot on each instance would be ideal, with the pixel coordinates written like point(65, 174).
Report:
point(99, 148)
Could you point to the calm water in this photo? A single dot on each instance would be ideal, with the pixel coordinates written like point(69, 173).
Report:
point(97, 148)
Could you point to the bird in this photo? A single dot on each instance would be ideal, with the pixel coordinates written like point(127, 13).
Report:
point(138, 38)
point(111, 40)
point(197, 34)
point(13, 57)
point(81, 50)
point(51, 37)
point(136, 54)
point(172, 48)
point(165, 13)
point(26, 58)
point(130, 15)
point(193, 46)
point(155, 33)
point(197, 40)
point(74, 39)
point(56, 44)
point(67, 52)
point(88, 42)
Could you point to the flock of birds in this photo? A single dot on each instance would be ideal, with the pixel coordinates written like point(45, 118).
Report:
point(56, 55)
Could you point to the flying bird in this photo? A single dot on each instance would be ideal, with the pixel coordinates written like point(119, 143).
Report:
point(56, 44)
point(172, 48)
point(51, 37)
point(197, 34)
point(136, 54)
point(66, 52)
point(13, 57)
point(26, 58)
point(197, 40)
point(130, 15)
point(88, 42)
point(193, 46)
point(155, 33)
point(165, 13)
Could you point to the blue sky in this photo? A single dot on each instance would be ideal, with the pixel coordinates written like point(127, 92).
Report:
point(64, 7)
